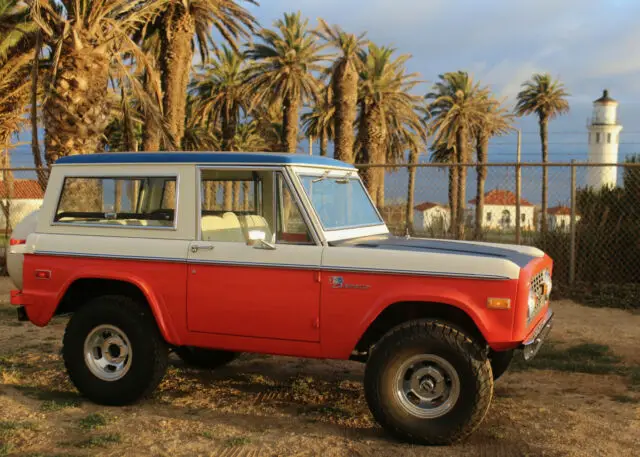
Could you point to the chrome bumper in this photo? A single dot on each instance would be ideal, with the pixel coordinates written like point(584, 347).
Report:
point(534, 341)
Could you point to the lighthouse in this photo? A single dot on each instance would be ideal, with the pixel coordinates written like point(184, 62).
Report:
point(604, 138)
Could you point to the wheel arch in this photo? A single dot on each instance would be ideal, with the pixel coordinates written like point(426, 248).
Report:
point(83, 288)
point(402, 311)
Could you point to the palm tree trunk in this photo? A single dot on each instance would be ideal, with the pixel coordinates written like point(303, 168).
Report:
point(482, 148)
point(246, 190)
point(228, 132)
point(453, 196)
point(545, 158)
point(175, 65)
point(373, 140)
point(413, 159)
point(345, 89)
point(35, 145)
point(151, 132)
point(290, 125)
point(324, 143)
point(462, 141)
point(76, 113)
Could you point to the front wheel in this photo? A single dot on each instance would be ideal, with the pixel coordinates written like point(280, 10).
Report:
point(113, 351)
point(427, 382)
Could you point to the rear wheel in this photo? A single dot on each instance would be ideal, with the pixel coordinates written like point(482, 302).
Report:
point(113, 351)
point(427, 382)
point(205, 358)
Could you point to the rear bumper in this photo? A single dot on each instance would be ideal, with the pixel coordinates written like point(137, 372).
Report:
point(538, 335)
point(17, 298)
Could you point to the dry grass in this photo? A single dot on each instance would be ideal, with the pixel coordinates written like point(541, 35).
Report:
point(580, 397)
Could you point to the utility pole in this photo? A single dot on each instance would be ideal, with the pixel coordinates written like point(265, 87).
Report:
point(572, 245)
point(518, 187)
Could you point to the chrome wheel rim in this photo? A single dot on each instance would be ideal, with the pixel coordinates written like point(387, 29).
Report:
point(427, 386)
point(107, 353)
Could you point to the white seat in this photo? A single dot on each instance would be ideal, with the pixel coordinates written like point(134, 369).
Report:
point(225, 228)
point(256, 222)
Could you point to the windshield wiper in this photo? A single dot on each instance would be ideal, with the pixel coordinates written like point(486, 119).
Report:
point(345, 179)
point(324, 176)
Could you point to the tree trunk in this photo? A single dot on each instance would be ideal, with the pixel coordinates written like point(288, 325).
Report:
point(35, 145)
point(413, 159)
point(453, 195)
point(545, 158)
point(76, 113)
point(324, 143)
point(482, 148)
point(246, 190)
point(176, 53)
point(151, 133)
point(290, 125)
point(345, 88)
point(373, 141)
point(462, 142)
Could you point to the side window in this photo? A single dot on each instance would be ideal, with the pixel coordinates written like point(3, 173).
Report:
point(132, 202)
point(233, 206)
point(291, 227)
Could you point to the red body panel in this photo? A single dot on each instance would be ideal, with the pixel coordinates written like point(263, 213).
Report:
point(279, 311)
point(254, 302)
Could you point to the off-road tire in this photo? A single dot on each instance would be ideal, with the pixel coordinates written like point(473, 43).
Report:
point(209, 359)
point(446, 341)
point(500, 362)
point(149, 354)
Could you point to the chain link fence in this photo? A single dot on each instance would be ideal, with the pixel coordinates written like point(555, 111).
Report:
point(592, 235)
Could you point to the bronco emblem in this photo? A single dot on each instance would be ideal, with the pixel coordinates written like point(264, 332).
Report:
point(337, 282)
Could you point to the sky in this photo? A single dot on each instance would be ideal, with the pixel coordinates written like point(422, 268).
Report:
point(589, 44)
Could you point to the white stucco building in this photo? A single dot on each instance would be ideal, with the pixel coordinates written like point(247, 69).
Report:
point(432, 217)
point(23, 195)
point(499, 212)
point(604, 139)
point(559, 218)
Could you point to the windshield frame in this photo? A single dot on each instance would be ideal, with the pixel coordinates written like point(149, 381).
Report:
point(348, 231)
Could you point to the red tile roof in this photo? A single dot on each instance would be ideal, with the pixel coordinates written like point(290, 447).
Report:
point(559, 211)
point(27, 189)
point(427, 205)
point(501, 197)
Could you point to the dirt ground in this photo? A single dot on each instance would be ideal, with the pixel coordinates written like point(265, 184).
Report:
point(277, 406)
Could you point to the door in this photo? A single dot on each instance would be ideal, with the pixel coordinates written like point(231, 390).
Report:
point(254, 272)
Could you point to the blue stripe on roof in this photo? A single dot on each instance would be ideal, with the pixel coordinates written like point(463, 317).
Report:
point(257, 158)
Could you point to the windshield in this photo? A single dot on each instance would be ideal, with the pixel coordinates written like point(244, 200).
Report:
point(340, 202)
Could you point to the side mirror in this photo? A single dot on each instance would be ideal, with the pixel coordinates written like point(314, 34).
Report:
point(257, 238)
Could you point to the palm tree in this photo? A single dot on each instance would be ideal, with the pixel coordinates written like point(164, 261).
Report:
point(547, 99)
point(319, 122)
point(344, 83)
point(221, 99)
point(285, 61)
point(90, 45)
point(497, 122)
point(404, 140)
point(219, 91)
point(458, 106)
point(174, 35)
point(385, 103)
point(441, 153)
point(17, 42)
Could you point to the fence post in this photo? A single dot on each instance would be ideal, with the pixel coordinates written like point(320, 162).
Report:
point(518, 190)
point(572, 225)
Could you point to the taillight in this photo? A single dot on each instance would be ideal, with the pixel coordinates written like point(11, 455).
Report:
point(15, 241)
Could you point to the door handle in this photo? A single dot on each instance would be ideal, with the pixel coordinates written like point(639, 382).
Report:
point(197, 247)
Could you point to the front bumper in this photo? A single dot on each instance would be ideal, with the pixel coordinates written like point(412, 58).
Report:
point(534, 340)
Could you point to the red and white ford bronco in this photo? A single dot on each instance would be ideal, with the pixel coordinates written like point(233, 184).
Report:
point(213, 254)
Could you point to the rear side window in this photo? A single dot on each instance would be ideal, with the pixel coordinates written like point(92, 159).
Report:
point(141, 202)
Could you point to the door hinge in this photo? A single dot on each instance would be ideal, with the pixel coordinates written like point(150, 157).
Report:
point(318, 276)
